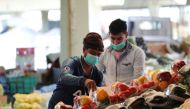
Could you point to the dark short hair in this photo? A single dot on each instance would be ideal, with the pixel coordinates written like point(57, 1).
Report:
point(117, 26)
point(93, 40)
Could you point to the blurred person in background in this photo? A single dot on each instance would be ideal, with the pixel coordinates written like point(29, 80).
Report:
point(4, 82)
point(122, 60)
point(79, 75)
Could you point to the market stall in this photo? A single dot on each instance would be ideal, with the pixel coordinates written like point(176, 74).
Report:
point(157, 89)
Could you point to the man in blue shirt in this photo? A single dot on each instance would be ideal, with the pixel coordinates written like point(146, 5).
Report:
point(4, 81)
point(79, 75)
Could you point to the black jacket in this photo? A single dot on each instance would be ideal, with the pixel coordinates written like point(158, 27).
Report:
point(71, 81)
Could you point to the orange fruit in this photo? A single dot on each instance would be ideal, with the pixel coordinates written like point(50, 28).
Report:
point(162, 85)
point(84, 100)
point(101, 95)
point(141, 80)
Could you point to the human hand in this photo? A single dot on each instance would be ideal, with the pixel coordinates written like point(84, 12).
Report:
point(61, 105)
point(90, 84)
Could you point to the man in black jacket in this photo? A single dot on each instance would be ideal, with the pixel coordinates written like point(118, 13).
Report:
point(79, 75)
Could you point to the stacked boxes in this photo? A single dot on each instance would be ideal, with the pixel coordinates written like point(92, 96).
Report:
point(22, 84)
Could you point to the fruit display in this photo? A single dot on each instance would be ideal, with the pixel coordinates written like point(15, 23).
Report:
point(162, 78)
point(142, 84)
point(119, 87)
point(123, 91)
point(154, 89)
point(27, 101)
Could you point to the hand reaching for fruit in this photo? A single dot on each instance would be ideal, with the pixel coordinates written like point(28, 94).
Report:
point(61, 105)
point(90, 84)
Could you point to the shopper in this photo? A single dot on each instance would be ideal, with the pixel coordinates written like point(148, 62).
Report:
point(121, 61)
point(4, 81)
point(79, 75)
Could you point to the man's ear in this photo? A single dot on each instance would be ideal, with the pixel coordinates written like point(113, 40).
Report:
point(126, 34)
point(84, 51)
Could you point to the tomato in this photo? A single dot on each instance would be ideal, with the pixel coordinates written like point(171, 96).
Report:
point(114, 99)
point(145, 85)
point(122, 86)
point(124, 94)
point(151, 83)
point(133, 89)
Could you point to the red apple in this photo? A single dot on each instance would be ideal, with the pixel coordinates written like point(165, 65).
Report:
point(177, 66)
point(175, 78)
point(164, 76)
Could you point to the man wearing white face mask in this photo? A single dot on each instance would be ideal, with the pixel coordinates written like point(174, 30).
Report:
point(79, 75)
point(121, 61)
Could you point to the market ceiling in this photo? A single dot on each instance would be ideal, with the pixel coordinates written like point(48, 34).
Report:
point(25, 5)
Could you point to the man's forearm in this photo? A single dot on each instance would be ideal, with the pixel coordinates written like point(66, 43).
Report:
point(69, 79)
